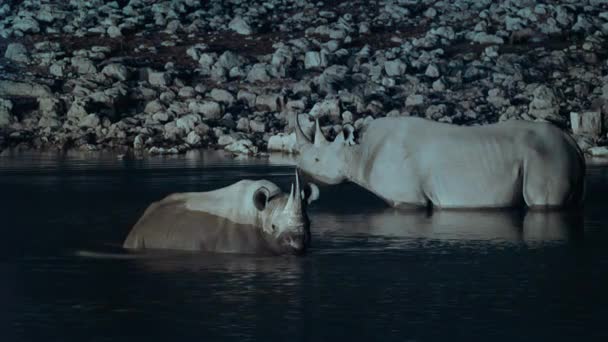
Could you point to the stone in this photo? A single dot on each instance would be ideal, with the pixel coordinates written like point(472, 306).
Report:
point(247, 97)
point(242, 146)
point(414, 100)
point(314, 59)
point(598, 151)
point(114, 32)
point(240, 26)
point(258, 73)
point(242, 124)
point(77, 110)
point(186, 93)
point(257, 126)
point(209, 109)
point(432, 71)
point(17, 52)
point(586, 123)
point(394, 68)
point(26, 25)
point(485, 38)
point(438, 85)
point(161, 117)
point(331, 77)
point(83, 65)
point(188, 122)
point(229, 60)
point(329, 107)
point(283, 143)
point(160, 79)
point(222, 96)
point(116, 71)
point(269, 102)
point(544, 104)
point(436, 112)
point(89, 121)
point(138, 142)
point(56, 70)
point(6, 107)
point(193, 139)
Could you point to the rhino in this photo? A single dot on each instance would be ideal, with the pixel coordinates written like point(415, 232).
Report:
point(412, 162)
point(250, 216)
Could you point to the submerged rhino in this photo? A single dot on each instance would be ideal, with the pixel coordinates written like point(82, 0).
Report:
point(246, 217)
point(414, 162)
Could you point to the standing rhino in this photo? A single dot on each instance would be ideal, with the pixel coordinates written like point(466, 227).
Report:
point(414, 162)
point(246, 217)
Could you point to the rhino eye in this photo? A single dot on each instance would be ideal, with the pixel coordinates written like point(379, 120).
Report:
point(274, 228)
point(316, 159)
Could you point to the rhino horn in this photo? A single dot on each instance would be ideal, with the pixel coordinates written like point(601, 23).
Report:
point(301, 138)
point(319, 137)
point(294, 202)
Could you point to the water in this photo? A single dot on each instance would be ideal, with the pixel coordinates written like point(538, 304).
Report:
point(372, 273)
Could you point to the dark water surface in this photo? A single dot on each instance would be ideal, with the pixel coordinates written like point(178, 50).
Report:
point(373, 274)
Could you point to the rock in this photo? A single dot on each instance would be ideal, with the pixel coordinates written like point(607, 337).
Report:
point(186, 93)
point(26, 25)
point(347, 117)
point(17, 52)
point(330, 107)
point(114, 32)
point(225, 139)
point(222, 96)
point(56, 70)
point(283, 143)
point(243, 146)
point(544, 104)
point(414, 100)
point(138, 142)
point(257, 126)
point(159, 79)
point(83, 65)
point(229, 60)
point(209, 109)
point(586, 123)
point(242, 124)
point(24, 89)
point(432, 71)
point(77, 110)
point(269, 102)
point(314, 59)
point(240, 26)
point(6, 107)
point(89, 121)
point(161, 117)
point(193, 139)
point(258, 73)
point(394, 68)
point(116, 71)
point(188, 122)
point(154, 107)
point(49, 106)
point(436, 112)
point(598, 151)
point(331, 78)
point(247, 97)
point(438, 85)
point(484, 38)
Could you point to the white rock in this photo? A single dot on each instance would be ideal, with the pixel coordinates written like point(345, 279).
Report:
point(240, 26)
point(586, 123)
point(484, 38)
point(258, 73)
point(544, 103)
point(438, 85)
point(77, 110)
point(314, 59)
point(17, 52)
point(193, 139)
point(329, 107)
point(116, 71)
point(161, 117)
point(209, 109)
point(83, 65)
point(188, 122)
point(154, 107)
point(257, 126)
point(160, 79)
point(394, 68)
point(283, 143)
point(243, 146)
point(269, 102)
point(89, 121)
point(599, 151)
point(6, 107)
point(247, 97)
point(26, 24)
point(138, 142)
point(56, 70)
point(242, 124)
point(222, 96)
point(414, 100)
point(114, 32)
point(432, 71)
point(186, 93)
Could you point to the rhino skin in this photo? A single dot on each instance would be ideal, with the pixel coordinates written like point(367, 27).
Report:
point(251, 217)
point(413, 162)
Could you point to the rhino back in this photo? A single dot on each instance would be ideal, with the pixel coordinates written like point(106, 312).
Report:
point(169, 224)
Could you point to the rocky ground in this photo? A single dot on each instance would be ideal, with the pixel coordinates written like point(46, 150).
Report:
point(168, 76)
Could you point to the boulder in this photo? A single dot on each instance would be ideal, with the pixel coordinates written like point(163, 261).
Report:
point(394, 68)
point(116, 71)
point(544, 104)
point(188, 122)
point(283, 143)
point(193, 139)
point(209, 109)
point(269, 102)
point(222, 96)
point(17, 52)
point(6, 107)
point(314, 59)
point(586, 123)
point(23, 89)
point(258, 73)
point(240, 26)
point(159, 79)
point(83, 65)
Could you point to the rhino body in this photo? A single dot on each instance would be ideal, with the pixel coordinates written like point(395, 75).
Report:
point(414, 162)
point(253, 217)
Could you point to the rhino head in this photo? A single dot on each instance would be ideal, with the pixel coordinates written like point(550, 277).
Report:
point(284, 221)
point(324, 161)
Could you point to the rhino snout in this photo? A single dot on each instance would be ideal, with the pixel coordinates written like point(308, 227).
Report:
point(294, 243)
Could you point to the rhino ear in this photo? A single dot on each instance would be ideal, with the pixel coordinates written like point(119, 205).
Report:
point(347, 136)
point(310, 193)
point(260, 198)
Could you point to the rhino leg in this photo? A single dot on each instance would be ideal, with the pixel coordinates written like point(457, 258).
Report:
point(549, 184)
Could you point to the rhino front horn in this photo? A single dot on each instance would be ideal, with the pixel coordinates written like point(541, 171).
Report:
point(319, 137)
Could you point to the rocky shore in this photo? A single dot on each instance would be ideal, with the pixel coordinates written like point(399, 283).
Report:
point(164, 77)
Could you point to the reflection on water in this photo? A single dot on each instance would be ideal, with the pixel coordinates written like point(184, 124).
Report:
point(372, 273)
